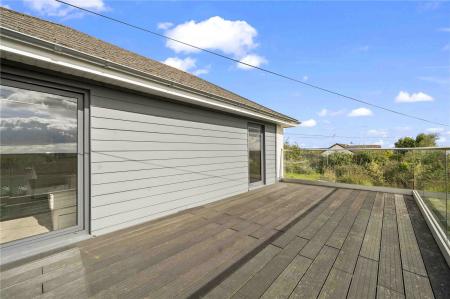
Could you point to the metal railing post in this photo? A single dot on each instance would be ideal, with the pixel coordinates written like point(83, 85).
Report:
point(414, 171)
point(446, 192)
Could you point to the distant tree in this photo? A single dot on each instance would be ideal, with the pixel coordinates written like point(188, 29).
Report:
point(422, 140)
point(425, 140)
point(405, 142)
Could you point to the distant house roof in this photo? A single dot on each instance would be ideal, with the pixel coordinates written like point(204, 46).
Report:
point(81, 42)
point(356, 146)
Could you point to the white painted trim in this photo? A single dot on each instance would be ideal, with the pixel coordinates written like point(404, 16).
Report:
point(279, 148)
point(105, 71)
point(9, 255)
point(435, 228)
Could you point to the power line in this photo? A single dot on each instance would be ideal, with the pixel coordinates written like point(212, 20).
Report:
point(338, 136)
point(255, 67)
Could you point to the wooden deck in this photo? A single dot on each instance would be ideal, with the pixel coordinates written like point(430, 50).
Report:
point(280, 241)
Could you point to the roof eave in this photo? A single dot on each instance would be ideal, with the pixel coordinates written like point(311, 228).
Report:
point(25, 48)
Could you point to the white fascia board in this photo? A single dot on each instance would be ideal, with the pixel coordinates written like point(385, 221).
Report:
point(55, 59)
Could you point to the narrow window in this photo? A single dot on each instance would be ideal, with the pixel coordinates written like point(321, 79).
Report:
point(255, 154)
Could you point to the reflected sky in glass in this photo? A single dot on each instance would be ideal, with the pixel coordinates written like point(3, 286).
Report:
point(36, 122)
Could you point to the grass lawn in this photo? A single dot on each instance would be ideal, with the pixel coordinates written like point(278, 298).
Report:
point(303, 176)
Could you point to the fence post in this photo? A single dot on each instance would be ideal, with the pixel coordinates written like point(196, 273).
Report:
point(446, 192)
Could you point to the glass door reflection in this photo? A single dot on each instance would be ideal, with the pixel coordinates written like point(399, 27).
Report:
point(39, 164)
point(255, 154)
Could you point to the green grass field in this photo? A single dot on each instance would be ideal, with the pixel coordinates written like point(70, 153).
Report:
point(303, 176)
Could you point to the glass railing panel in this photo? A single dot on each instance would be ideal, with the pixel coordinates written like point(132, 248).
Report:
point(431, 181)
point(426, 170)
point(386, 168)
point(306, 165)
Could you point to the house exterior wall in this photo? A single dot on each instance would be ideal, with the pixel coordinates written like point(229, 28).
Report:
point(150, 157)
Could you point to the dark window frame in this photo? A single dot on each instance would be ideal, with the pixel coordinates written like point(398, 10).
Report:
point(83, 150)
point(262, 182)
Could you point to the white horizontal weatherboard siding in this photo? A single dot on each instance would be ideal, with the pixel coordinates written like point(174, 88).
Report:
point(150, 158)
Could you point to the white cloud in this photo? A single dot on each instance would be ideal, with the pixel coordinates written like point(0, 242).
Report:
point(441, 140)
point(379, 142)
point(308, 123)
point(185, 64)
point(444, 29)
point(363, 48)
point(215, 33)
point(360, 112)
point(203, 71)
point(405, 97)
point(5, 6)
point(305, 78)
point(437, 80)
point(377, 133)
point(164, 25)
point(403, 128)
point(57, 9)
point(435, 130)
point(446, 47)
point(251, 59)
point(325, 112)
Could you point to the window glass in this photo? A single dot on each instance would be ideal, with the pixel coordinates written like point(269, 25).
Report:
point(38, 156)
point(255, 142)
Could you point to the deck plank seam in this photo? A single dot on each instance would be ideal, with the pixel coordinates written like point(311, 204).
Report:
point(331, 268)
point(359, 253)
point(399, 247)
point(379, 251)
point(368, 197)
point(299, 234)
point(343, 219)
point(227, 272)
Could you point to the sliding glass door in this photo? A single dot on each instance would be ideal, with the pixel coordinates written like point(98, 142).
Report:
point(41, 153)
point(255, 154)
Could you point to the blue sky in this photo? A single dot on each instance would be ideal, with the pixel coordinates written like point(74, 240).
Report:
point(395, 54)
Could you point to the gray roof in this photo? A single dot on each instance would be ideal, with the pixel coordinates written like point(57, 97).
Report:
point(76, 40)
point(356, 146)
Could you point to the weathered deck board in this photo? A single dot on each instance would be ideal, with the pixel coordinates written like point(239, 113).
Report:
point(340, 233)
point(292, 232)
point(262, 280)
point(364, 282)
point(390, 268)
point(385, 293)
point(417, 286)
point(357, 244)
point(411, 257)
point(288, 280)
point(371, 244)
point(320, 238)
point(348, 255)
point(336, 285)
point(313, 280)
point(340, 197)
point(236, 280)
